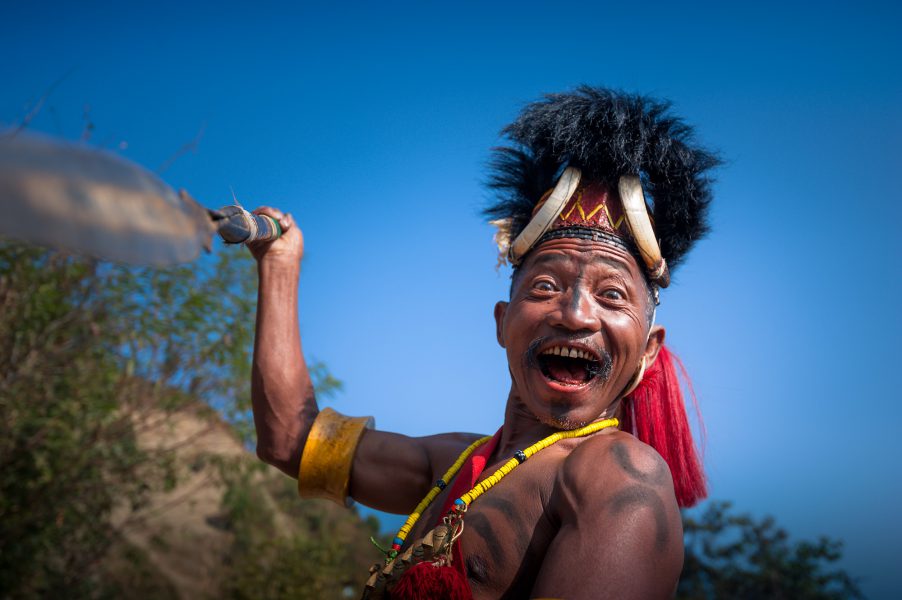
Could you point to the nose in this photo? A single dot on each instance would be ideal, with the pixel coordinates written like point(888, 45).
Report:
point(577, 311)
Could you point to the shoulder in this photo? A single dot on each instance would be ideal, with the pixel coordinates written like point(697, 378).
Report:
point(603, 461)
point(618, 473)
point(616, 515)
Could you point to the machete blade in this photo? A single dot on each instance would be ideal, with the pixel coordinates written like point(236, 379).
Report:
point(89, 201)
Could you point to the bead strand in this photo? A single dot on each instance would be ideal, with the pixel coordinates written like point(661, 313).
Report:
point(483, 486)
point(487, 483)
point(435, 491)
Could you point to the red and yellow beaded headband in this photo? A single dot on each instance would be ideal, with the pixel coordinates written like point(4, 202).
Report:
point(590, 210)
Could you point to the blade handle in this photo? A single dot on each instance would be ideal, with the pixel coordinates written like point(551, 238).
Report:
point(235, 225)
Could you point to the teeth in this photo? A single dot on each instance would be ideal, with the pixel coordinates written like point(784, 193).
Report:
point(568, 352)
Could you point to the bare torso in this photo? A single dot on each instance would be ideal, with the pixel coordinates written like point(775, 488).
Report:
point(509, 530)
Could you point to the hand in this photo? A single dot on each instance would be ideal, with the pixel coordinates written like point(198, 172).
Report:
point(288, 249)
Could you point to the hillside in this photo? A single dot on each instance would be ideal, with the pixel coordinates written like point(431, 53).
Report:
point(186, 542)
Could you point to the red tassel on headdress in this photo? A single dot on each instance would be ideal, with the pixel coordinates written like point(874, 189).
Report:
point(655, 414)
point(426, 581)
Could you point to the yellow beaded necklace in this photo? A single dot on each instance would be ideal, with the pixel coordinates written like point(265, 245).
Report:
point(460, 505)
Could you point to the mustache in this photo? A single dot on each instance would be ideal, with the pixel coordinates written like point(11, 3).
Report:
point(602, 370)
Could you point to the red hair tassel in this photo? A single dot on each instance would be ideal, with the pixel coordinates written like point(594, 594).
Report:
point(655, 414)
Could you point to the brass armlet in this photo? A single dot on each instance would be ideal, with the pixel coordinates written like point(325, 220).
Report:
point(325, 470)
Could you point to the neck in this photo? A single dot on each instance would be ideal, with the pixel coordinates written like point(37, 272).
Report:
point(522, 428)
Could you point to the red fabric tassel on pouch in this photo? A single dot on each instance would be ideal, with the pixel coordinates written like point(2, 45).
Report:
point(426, 581)
point(655, 413)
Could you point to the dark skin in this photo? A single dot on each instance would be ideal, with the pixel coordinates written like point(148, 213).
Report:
point(592, 517)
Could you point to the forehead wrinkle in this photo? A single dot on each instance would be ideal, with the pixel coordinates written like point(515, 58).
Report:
point(557, 256)
point(551, 256)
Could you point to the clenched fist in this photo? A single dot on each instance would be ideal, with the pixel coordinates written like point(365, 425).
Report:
point(288, 249)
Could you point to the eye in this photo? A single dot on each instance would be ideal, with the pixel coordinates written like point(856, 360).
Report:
point(613, 294)
point(543, 285)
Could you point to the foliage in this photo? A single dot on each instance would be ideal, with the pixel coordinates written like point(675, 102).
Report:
point(91, 356)
point(292, 549)
point(735, 556)
point(93, 359)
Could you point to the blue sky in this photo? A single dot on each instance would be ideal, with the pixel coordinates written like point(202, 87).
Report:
point(372, 124)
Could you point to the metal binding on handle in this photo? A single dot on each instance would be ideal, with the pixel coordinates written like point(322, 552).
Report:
point(235, 225)
point(267, 229)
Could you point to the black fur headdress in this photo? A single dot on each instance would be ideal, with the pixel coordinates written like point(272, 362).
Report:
point(606, 134)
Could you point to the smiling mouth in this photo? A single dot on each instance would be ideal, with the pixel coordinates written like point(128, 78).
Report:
point(566, 365)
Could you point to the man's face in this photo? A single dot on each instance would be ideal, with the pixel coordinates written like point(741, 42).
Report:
point(575, 329)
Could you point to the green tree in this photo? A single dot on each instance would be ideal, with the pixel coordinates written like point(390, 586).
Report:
point(94, 358)
point(297, 549)
point(737, 557)
point(91, 355)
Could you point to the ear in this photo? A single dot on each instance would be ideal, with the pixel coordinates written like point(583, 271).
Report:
point(500, 309)
point(653, 345)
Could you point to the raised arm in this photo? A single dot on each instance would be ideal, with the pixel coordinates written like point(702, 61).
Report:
point(620, 534)
point(390, 472)
point(281, 390)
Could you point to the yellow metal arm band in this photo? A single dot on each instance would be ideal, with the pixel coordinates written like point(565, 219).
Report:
point(328, 454)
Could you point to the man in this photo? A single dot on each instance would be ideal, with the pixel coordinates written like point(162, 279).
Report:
point(590, 516)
